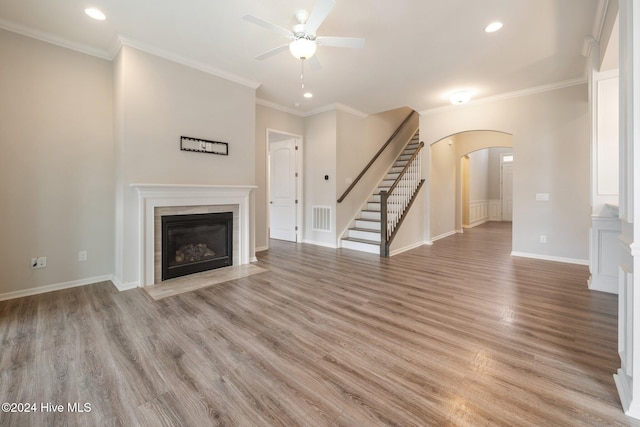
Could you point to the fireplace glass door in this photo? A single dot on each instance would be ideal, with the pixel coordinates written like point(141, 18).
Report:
point(195, 243)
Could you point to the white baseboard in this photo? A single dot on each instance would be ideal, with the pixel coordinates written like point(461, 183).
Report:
point(406, 248)
point(54, 287)
point(476, 223)
point(123, 286)
point(262, 248)
point(624, 390)
point(442, 236)
point(326, 245)
point(610, 287)
point(551, 258)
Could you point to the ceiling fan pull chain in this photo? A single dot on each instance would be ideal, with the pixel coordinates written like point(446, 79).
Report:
point(302, 72)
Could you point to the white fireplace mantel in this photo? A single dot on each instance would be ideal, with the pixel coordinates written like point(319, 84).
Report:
point(151, 196)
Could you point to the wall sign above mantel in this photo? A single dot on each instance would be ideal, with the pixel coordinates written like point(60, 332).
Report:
point(204, 146)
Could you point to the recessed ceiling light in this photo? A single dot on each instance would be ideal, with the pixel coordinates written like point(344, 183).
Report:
point(95, 13)
point(308, 95)
point(493, 27)
point(461, 97)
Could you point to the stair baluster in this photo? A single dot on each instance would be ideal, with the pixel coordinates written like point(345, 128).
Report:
point(396, 201)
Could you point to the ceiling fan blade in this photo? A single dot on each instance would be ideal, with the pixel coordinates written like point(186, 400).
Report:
point(318, 15)
point(351, 42)
point(269, 53)
point(314, 63)
point(268, 25)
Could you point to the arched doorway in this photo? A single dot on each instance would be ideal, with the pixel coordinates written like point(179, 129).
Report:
point(453, 201)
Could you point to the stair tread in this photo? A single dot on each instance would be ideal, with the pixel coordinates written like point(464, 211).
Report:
point(366, 230)
point(368, 220)
point(365, 241)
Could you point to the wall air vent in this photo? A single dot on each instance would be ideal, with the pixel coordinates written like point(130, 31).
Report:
point(321, 218)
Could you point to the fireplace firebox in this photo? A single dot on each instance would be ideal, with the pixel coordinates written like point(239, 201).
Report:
point(195, 243)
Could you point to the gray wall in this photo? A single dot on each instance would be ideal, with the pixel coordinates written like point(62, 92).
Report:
point(268, 118)
point(551, 149)
point(157, 101)
point(56, 165)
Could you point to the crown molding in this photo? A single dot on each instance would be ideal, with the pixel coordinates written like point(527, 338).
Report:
point(52, 39)
point(509, 95)
point(588, 45)
point(323, 109)
point(115, 47)
point(336, 106)
point(350, 110)
point(599, 21)
point(171, 56)
point(278, 107)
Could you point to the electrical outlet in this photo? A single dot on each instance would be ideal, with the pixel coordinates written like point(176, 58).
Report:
point(40, 262)
point(82, 256)
point(543, 239)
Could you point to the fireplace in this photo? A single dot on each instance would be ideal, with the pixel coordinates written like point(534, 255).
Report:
point(195, 243)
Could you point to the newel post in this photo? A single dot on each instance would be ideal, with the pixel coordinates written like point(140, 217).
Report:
point(384, 249)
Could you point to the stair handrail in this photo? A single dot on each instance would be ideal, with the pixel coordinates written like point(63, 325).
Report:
point(375, 157)
point(389, 231)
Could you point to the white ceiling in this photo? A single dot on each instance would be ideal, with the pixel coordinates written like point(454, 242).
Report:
point(416, 51)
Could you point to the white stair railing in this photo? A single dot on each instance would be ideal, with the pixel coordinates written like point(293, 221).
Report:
point(395, 202)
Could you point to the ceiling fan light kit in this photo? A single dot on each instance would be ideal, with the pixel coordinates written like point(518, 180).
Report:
point(303, 48)
point(303, 41)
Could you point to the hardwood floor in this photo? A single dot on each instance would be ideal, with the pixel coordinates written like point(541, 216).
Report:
point(457, 334)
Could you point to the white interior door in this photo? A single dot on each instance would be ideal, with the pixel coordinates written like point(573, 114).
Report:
point(283, 189)
point(507, 191)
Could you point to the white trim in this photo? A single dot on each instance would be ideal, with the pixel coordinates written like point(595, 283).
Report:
point(603, 286)
point(262, 248)
point(55, 287)
point(442, 236)
point(124, 286)
point(278, 107)
point(406, 248)
point(550, 258)
point(326, 245)
point(191, 63)
point(350, 110)
point(509, 95)
point(299, 182)
point(624, 389)
point(303, 114)
point(53, 39)
point(598, 24)
point(336, 106)
point(117, 44)
point(151, 196)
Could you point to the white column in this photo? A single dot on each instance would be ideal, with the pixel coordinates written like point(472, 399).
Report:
point(629, 282)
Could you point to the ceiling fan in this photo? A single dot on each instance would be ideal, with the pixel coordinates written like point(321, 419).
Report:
point(303, 40)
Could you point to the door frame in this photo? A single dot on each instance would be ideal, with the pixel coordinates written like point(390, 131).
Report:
point(502, 163)
point(299, 183)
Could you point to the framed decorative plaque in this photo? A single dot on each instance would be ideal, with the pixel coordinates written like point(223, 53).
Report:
point(204, 146)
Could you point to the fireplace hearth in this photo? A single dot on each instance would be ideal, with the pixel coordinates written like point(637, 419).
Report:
point(196, 242)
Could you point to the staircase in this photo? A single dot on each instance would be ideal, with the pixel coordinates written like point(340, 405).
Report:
point(365, 236)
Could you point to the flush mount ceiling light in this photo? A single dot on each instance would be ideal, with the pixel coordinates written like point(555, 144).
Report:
point(461, 97)
point(308, 95)
point(493, 27)
point(302, 48)
point(95, 13)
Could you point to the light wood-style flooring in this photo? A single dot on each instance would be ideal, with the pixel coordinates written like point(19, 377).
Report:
point(455, 334)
